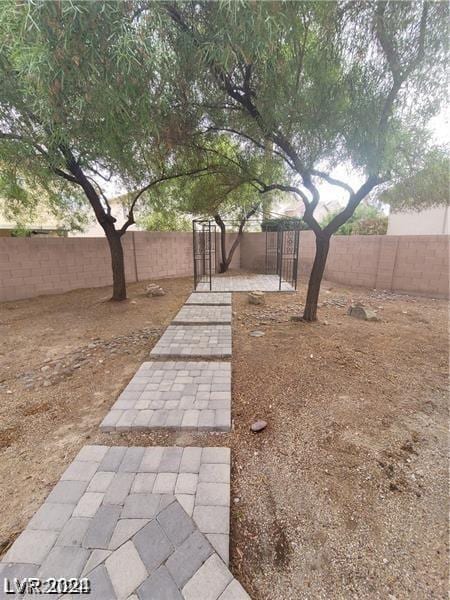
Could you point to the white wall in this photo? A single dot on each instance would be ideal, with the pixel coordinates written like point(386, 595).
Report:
point(431, 221)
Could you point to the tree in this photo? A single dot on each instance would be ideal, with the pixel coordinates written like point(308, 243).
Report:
point(317, 84)
point(427, 188)
point(83, 102)
point(283, 223)
point(366, 220)
point(231, 193)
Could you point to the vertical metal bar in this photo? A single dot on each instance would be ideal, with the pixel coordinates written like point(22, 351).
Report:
point(281, 258)
point(296, 246)
point(193, 253)
point(209, 241)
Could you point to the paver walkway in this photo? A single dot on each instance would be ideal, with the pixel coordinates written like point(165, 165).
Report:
point(208, 299)
point(199, 315)
point(245, 283)
point(199, 341)
point(174, 395)
point(147, 521)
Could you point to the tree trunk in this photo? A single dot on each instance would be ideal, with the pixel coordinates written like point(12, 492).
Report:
point(315, 279)
point(117, 263)
point(223, 263)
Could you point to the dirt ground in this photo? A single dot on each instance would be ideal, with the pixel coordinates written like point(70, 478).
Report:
point(344, 495)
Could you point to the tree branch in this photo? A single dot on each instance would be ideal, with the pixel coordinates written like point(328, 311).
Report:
point(333, 180)
point(130, 221)
point(348, 211)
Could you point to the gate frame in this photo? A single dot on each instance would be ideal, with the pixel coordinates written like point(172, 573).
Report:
point(286, 271)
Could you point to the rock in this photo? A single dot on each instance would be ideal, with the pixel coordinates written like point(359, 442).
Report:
point(257, 333)
point(256, 298)
point(361, 312)
point(258, 425)
point(159, 292)
point(154, 290)
point(45, 368)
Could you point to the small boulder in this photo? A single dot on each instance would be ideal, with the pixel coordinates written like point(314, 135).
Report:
point(256, 298)
point(361, 312)
point(154, 289)
point(257, 333)
point(258, 425)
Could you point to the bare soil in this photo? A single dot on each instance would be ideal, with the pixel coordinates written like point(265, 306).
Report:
point(344, 495)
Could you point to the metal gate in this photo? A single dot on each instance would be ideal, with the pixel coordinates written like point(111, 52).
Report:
point(204, 246)
point(282, 255)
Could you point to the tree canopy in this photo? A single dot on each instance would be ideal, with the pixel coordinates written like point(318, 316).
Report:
point(427, 188)
point(366, 220)
point(321, 84)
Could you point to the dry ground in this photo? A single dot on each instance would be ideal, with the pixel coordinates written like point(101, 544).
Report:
point(344, 495)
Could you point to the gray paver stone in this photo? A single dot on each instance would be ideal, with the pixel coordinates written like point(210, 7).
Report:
point(32, 546)
point(92, 453)
point(153, 545)
point(140, 506)
point(80, 471)
point(209, 581)
point(176, 523)
point(170, 461)
point(165, 483)
point(73, 532)
point(124, 530)
point(190, 461)
point(143, 483)
point(51, 516)
point(101, 586)
point(188, 558)
point(101, 481)
point(234, 591)
point(64, 561)
point(151, 459)
point(88, 504)
point(125, 560)
point(131, 460)
point(96, 557)
point(212, 519)
point(216, 455)
point(112, 459)
point(67, 492)
point(213, 494)
point(119, 488)
point(102, 526)
point(214, 473)
point(160, 586)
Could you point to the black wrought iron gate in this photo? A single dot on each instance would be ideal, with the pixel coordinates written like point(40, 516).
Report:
point(282, 255)
point(204, 246)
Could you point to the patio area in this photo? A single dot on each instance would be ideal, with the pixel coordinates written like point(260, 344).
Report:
point(245, 283)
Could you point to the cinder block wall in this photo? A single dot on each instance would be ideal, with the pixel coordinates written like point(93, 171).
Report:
point(418, 264)
point(34, 266)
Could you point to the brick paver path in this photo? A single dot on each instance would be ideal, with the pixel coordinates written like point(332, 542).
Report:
point(116, 516)
point(203, 298)
point(174, 395)
point(199, 341)
point(245, 283)
point(197, 315)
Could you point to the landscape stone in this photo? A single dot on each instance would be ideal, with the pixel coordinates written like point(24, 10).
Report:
point(256, 298)
point(258, 425)
point(361, 312)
